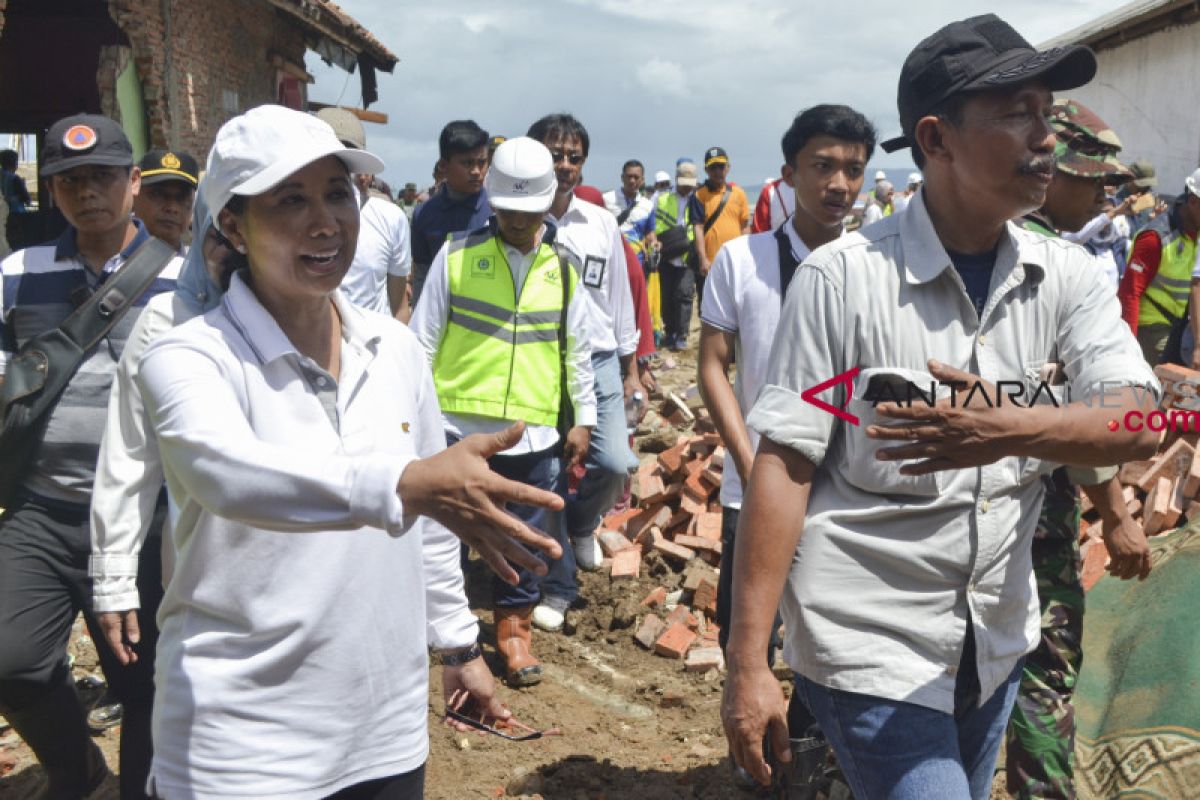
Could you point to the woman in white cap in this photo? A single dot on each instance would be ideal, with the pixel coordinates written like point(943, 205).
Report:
point(301, 442)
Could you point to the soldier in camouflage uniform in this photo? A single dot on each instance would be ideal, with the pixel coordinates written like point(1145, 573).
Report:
point(1041, 731)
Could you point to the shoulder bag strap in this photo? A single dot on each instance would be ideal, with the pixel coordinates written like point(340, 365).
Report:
point(787, 261)
point(708, 223)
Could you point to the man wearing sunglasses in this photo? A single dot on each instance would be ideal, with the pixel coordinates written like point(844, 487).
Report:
point(719, 212)
point(591, 234)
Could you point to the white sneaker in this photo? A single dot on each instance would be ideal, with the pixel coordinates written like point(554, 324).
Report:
point(548, 618)
point(588, 554)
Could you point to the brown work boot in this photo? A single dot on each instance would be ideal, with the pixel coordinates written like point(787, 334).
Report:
point(514, 640)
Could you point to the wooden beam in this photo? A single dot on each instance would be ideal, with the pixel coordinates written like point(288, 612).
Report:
point(377, 117)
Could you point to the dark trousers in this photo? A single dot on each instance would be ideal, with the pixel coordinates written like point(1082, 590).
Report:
point(44, 584)
point(678, 294)
point(800, 720)
point(542, 470)
point(409, 786)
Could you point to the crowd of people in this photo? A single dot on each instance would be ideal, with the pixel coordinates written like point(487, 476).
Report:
point(261, 485)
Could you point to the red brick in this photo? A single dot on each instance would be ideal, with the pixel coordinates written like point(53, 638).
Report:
point(1176, 379)
point(675, 551)
point(697, 488)
point(702, 659)
point(718, 458)
point(1158, 499)
point(649, 536)
point(708, 526)
point(1132, 471)
point(713, 476)
point(712, 633)
point(692, 467)
point(1176, 461)
point(654, 516)
point(656, 598)
point(699, 543)
point(627, 563)
point(705, 597)
point(694, 574)
point(619, 520)
point(678, 521)
point(651, 489)
point(675, 641)
point(1191, 481)
point(682, 613)
point(692, 506)
point(612, 542)
point(648, 632)
point(671, 460)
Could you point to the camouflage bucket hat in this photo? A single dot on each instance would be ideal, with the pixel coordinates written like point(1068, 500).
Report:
point(1086, 146)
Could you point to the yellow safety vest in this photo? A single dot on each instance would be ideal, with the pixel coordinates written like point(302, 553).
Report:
point(1172, 283)
point(668, 214)
point(499, 355)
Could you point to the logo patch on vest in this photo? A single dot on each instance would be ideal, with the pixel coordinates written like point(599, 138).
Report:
point(482, 267)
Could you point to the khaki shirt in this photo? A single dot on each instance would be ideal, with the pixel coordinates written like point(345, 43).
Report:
point(890, 567)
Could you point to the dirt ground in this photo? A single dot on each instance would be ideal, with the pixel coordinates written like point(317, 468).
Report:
point(634, 725)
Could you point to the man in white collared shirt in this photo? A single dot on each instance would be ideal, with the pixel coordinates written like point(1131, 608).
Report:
point(909, 599)
point(493, 340)
point(825, 153)
point(591, 234)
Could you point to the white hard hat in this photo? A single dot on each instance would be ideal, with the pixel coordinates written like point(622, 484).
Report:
point(521, 177)
point(662, 177)
point(880, 175)
point(1193, 182)
point(915, 177)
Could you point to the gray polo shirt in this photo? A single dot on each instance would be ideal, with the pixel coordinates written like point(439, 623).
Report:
point(890, 567)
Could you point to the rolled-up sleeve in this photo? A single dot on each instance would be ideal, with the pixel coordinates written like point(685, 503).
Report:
point(206, 442)
point(1097, 350)
point(808, 351)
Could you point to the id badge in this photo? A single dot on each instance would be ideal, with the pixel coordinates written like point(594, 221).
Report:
point(593, 271)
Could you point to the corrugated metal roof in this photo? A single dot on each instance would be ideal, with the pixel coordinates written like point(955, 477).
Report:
point(1131, 21)
point(327, 19)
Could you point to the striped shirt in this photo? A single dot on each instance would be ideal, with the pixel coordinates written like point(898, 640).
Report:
point(39, 288)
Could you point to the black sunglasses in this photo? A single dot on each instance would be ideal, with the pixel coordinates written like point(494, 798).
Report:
point(574, 159)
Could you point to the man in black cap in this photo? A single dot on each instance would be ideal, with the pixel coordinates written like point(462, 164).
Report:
point(45, 534)
point(169, 179)
point(896, 529)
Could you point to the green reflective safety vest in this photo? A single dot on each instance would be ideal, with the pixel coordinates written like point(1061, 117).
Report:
point(668, 214)
point(1172, 283)
point(499, 355)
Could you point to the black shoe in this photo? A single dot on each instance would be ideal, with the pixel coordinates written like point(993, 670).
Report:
point(105, 715)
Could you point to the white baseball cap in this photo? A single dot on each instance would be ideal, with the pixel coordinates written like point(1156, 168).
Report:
point(257, 150)
point(1193, 182)
point(662, 176)
point(521, 177)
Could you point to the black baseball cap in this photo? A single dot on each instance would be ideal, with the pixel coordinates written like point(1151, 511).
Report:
point(715, 155)
point(977, 54)
point(85, 139)
point(159, 166)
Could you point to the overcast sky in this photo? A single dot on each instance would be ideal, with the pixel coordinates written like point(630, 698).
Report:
point(650, 79)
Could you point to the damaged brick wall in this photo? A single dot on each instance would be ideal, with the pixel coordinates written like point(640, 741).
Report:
point(202, 63)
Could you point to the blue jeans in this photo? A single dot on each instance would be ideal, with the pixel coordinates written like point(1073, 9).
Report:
point(902, 751)
point(542, 470)
point(609, 459)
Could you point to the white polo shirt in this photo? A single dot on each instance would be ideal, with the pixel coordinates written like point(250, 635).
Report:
point(591, 234)
point(890, 566)
point(292, 659)
point(742, 297)
point(384, 248)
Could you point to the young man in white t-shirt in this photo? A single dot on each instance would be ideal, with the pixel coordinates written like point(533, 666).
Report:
point(825, 152)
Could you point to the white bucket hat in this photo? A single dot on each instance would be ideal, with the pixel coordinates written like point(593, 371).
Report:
point(257, 150)
point(521, 177)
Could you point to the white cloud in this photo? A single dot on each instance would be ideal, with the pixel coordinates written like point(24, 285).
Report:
point(480, 23)
point(663, 77)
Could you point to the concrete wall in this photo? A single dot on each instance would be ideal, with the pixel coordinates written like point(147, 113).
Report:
point(1148, 90)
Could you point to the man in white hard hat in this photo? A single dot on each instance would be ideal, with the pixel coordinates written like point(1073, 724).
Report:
point(378, 278)
point(505, 324)
point(900, 201)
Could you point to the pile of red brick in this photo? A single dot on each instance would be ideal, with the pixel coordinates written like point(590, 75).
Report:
point(1163, 492)
point(677, 514)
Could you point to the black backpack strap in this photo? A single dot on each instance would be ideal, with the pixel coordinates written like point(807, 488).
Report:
point(787, 260)
point(708, 223)
point(566, 410)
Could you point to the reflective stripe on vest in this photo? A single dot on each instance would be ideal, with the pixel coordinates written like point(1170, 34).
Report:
point(666, 215)
point(1172, 283)
point(499, 355)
